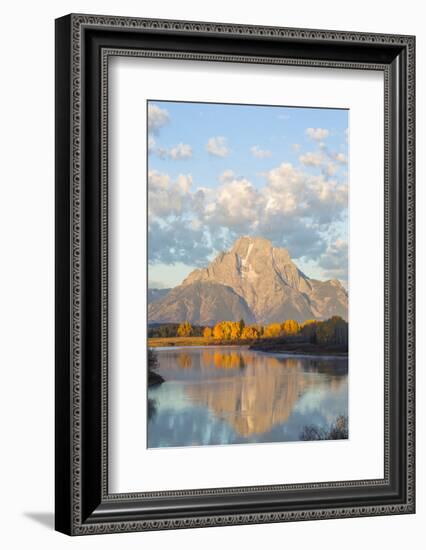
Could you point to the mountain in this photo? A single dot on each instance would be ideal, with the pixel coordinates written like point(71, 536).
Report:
point(155, 294)
point(201, 304)
point(253, 281)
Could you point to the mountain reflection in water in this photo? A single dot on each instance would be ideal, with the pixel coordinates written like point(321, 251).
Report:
point(224, 395)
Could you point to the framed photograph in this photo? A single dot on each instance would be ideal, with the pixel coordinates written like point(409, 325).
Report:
point(234, 274)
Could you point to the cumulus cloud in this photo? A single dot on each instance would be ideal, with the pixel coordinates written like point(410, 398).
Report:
point(217, 146)
point(341, 157)
point(293, 209)
point(327, 161)
point(233, 205)
point(260, 153)
point(151, 144)
point(317, 134)
point(334, 261)
point(311, 159)
point(165, 196)
point(175, 241)
point(227, 175)
point(157, 117)
point(306, 196)
point(330, 169)
point(180, 151)
point(296, 147)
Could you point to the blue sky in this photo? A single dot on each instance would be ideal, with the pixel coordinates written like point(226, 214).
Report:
point(219, 171)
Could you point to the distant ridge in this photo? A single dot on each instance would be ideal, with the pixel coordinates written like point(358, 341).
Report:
point(252, 281)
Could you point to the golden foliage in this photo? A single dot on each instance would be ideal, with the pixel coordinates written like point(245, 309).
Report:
point(290, 327)
point(273, 330)
point(184, 329)
point(334, 329)
point(250, 332)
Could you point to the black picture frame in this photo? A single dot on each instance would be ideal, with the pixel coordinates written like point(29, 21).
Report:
point(83, 45)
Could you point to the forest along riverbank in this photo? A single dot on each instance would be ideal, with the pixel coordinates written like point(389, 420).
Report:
point(312, 337)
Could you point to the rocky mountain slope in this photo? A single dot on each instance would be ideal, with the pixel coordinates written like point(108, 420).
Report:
point(155, 294)
point(253, 281)
point(200, 303)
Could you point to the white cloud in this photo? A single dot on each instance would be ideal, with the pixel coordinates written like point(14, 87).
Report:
point(180, 151)
point(151, 144)
point(311, 159)
point(314, 197)
point(260, 153)
point(331, 169)
point(293, 209)
point(176, 241)
point(162, 152)
point(334, 261)
point(183, 183)
point(329, 162)
point(296, 147)
point(317, 134)
point(165, 196)
point(227, 175)
point(217, 146)
point(234, 204)
point(157, 117)
point(340, 157)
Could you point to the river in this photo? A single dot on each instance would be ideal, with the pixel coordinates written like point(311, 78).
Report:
point(218, 395)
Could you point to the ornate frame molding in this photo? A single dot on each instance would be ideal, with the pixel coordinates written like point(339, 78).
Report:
point(72, 44)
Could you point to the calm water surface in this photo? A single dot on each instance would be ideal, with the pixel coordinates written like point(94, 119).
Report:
point(222, 395)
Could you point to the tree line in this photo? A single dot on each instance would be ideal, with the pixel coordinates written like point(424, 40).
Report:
point(170, 330)
point(333, 330)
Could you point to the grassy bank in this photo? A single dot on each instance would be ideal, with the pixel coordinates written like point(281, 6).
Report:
point(266, 345)
point(338, 430)
point(194, 341)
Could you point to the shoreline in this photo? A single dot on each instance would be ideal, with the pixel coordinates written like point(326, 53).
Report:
point(195, 342)
point(301, 349)
point(323, 354)
point(154, 379)
point(308, 350)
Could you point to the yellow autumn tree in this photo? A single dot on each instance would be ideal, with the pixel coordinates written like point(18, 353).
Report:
point(207, 332)
point(290, 327)
point(218, 332)
point(185, 329)
point(272, 331)
point(250, 332)
point(235, 331)
point(222, 330)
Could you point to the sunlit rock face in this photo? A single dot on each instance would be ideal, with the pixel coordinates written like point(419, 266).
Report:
point(201, 304)
point(253, 281)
